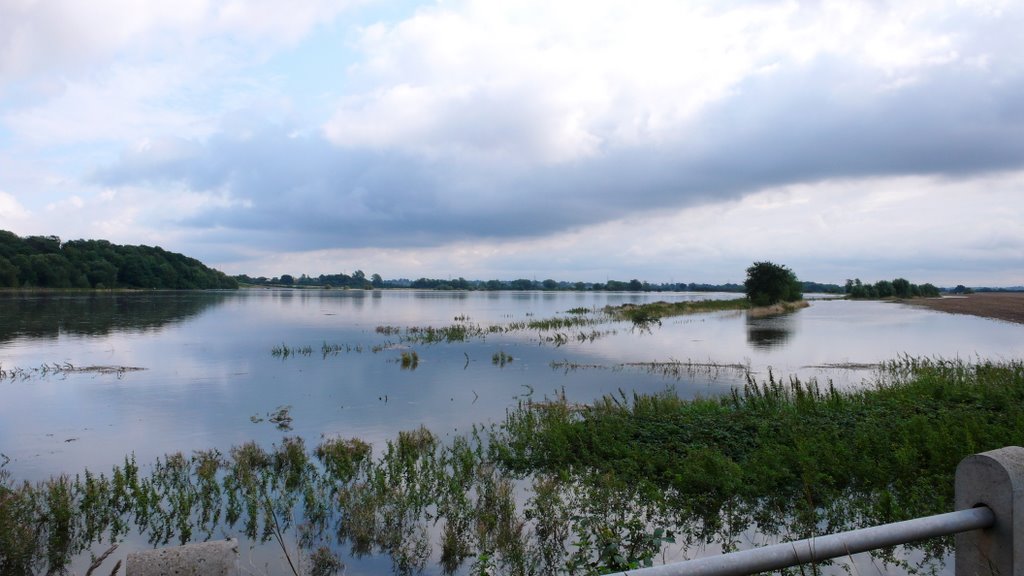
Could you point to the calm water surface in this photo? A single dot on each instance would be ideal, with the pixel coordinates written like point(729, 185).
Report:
point(209, 371)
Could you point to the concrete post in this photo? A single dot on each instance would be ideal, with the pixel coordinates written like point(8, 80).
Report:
point(994, 479)
point(215, 558)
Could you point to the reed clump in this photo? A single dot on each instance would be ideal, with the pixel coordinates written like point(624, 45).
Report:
point(409, 360)
point(501, 358)
point(284, 351)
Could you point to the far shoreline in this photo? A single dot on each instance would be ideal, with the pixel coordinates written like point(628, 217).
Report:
point(1005, 306)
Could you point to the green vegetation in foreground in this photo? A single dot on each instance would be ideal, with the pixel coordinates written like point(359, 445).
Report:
point(897, 441)
point(607, 486)
point(45, 262)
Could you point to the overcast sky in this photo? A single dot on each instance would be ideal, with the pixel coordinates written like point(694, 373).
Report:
point(575, 140)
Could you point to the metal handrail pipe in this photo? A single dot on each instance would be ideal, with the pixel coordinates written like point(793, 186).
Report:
point(788, 554)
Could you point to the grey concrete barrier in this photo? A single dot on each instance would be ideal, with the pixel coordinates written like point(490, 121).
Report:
point(988, 523)
point(994, 479)
point(216, 558)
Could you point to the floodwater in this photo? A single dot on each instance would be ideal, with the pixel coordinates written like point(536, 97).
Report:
point(209, 374)
point(87, 379)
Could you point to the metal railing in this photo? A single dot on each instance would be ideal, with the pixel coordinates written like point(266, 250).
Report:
point(989, 510)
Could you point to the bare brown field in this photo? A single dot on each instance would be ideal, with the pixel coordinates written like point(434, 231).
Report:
point(1008, 306)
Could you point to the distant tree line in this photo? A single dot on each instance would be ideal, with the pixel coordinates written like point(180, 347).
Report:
point(552, 285)
point(609, 286)
point(357, 279)
point(46, 262)
point(898, 288)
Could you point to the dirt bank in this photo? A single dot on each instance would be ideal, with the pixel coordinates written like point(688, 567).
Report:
point(1008, 306)
point(780, 308)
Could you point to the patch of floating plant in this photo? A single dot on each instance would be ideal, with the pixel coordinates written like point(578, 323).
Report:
point(500, 359)
point(560, 339)
point(326, 349)
point(671, 369)
point(280, 416)
point(284, 351)
point(335, 349)
point(573, 366)
point(62, 369)
point(847, 365)
point(409, 360)
point(677, 369)
point(464, 331)
point(389, 345)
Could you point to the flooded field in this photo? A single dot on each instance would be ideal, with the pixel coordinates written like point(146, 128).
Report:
point(89, 379)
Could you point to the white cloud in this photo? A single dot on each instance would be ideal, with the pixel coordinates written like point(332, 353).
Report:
point(557, 82)
point(71, 203)
point(274, 21)
point(68, 36)
point(126, 103)
point(11, 209)
point(64, 35)
point(121, 70)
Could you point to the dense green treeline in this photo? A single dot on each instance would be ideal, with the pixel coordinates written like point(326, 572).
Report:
point(46, 262)
point(898, 288)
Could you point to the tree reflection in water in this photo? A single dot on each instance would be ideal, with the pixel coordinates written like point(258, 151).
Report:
point(770, 332)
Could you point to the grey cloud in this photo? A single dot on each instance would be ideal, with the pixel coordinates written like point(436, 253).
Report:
point(797, 126)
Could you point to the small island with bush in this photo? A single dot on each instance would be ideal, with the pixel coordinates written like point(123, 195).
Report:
point(770, 289)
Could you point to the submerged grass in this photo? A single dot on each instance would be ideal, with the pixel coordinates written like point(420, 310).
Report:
point(675, 369)
point(409, 360)
point(501, 358)
point(608, 485)
point(62, 369)
point(284, 351)
point(464, 330)
point(647, 314)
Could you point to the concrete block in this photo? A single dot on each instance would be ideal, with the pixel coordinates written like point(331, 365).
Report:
point(994, 479)
point(215, 558)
